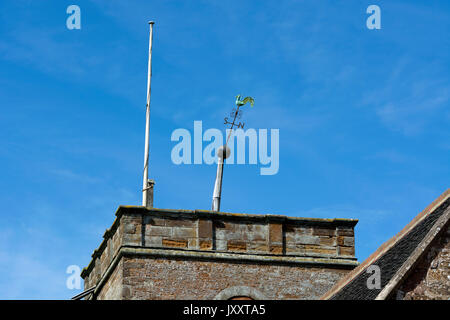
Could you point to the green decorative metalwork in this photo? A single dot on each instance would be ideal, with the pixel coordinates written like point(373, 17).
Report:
point(237, 112)
point(242, 102)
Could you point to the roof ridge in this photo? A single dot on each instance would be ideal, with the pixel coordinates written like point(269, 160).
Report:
point(387, 245)
point(415, 255)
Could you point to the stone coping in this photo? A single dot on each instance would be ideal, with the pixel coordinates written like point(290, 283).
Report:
point(195, 214)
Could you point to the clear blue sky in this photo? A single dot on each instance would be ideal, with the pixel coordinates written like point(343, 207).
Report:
point(363, 117)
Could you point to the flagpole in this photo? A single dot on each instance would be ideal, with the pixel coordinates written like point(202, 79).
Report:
point(146, 201)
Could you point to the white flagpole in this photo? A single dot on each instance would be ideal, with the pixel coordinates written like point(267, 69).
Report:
point(146, 185)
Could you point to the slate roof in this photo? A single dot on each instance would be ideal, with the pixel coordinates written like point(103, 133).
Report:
point(396, 257)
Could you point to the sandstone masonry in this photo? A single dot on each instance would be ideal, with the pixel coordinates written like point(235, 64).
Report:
point(431, 277)
point(182, 254)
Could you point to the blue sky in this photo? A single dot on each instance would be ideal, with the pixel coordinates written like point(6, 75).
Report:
point(363, 117)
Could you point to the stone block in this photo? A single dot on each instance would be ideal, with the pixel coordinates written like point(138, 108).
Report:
point(235, 245)
point(158, 231)
point(294, 250)
point(153, 241)
point(130, 228)
point(180, 223)
point(236, 235)
point(327, 241)
point(275, 232)
point(180, 232)
point(347, 251)
point(206, 245)
point(304, 230)
point(220, 234)
point(323, 232)
point(154, 221)
point(256, 236)
point(260, 247)
point(319, 250)
point(205, 229)
point(276, 249)
point(349, 232)
point(259, 228)
point(221, 245)
point(346, 241)
point(306, 239)
point(193, 243)
point(132, 239)
point(175, 243)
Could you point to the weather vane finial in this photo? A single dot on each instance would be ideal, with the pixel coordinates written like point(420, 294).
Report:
point(224, 151)
point(236, 113)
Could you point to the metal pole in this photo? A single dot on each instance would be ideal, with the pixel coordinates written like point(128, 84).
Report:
point(222, 154)
point(146, 185)
point(218, 186)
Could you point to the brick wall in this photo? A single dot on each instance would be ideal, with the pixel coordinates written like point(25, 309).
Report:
point(219, 243)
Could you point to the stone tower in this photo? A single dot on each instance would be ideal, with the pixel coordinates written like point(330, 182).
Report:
point(151, 253)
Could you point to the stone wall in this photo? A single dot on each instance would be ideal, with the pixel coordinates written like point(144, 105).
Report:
point(430, 278)
point(196, 279)
point(218, 243)
point(113, 288)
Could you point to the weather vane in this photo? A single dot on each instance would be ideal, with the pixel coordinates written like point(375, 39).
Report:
point(224, 151)
point(236, 114)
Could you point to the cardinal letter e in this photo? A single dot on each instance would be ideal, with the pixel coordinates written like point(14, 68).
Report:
point(374, 21)
point(74, 20)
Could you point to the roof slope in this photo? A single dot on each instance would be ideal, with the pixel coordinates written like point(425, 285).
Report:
point(396, 256)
